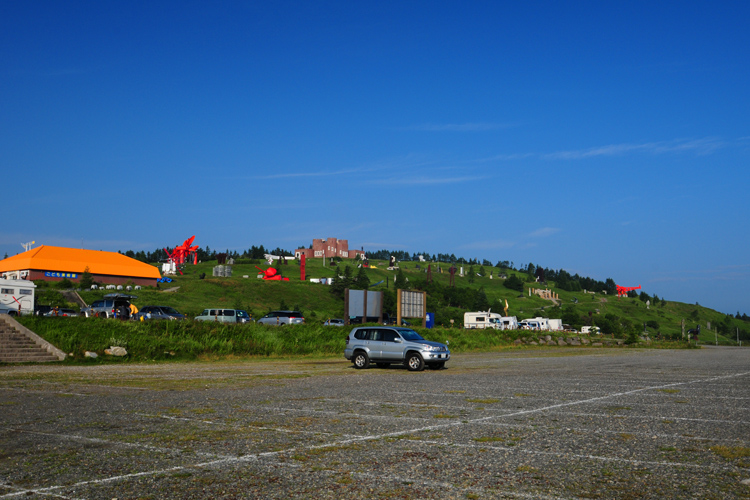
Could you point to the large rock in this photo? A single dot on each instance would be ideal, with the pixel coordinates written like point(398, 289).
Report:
point(116, 351)
point(561, 342)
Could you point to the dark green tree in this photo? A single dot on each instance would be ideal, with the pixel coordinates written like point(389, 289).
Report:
point(86, 279)
point(401, 282)
point(361, 281)
point(481, 303)
point(513, 283)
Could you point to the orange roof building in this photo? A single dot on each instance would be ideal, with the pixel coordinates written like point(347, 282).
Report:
point(57, 263)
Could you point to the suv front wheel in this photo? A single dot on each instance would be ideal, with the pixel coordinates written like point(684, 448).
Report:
point(361, 360)
point(414, 362)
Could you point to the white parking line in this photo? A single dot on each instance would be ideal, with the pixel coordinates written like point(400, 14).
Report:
point(617, 433)
point(260, 427)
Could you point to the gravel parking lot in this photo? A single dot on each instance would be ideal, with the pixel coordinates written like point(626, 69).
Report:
point(542, 423)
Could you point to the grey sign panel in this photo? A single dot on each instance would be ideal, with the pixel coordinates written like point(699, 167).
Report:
point(412, 304)
point(357, 303)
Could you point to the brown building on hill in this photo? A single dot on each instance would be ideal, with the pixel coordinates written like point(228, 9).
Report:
point(329, 247)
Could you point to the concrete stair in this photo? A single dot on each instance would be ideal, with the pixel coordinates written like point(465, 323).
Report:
point(18, 347)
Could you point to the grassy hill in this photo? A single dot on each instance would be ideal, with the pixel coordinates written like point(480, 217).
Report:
point(618, 316)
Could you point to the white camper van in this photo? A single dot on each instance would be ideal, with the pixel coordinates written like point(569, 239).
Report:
point(482, 320)
point(555, 325)
point(16, 296)
point(534, 324)
point(509, 322)
point(489, 320)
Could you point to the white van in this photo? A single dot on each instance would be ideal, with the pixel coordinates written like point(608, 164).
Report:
point(534, 324)
point(482, 320)
point(489, 319)
point(16, 296)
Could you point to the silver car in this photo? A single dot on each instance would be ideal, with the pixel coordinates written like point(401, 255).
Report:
point(384, 345)
point(158, 312)
point(281, 318)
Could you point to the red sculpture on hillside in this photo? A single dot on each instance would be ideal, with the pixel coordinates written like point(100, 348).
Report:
point(181, 253)
point(271, 274)
point(623, 290)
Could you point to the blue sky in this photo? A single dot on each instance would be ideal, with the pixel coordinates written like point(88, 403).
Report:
point(608, 140)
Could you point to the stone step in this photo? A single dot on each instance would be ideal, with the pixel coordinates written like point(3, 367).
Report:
point(27, 358)
point(17, 347)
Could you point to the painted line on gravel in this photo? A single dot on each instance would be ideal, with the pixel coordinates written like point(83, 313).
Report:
point(515, 449)
point(239, 427)
point(652, 417)
point(607, 431)
point(74, 437)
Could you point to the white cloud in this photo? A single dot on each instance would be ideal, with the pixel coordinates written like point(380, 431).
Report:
point(700, 146)
point(424, 180)
point(459, 127)
point(544, 232)
point(703, 146)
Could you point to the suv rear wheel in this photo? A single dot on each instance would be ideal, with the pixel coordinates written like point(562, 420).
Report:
point(414, 362)
point(361, 360)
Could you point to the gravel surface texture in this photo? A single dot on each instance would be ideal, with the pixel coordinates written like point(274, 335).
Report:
point(543, 423)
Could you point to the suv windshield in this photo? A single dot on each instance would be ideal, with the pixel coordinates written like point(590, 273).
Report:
point(408, 334)
point(169, 310)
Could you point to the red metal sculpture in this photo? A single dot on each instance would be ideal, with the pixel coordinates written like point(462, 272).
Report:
point(623, 290)
point(271, 274)
point(181, 253)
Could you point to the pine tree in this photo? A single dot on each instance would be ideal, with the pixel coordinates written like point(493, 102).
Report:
point(401, 282)
point(362, 281)
point(86, 279)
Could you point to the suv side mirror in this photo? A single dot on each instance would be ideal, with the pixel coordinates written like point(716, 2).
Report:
point(398, 339)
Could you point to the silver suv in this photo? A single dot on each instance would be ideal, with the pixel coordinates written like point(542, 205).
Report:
point(112, 305)
point(384, 345)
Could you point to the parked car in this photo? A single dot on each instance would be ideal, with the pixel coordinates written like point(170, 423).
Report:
point(61, 312)
point(42, 310)
point(384, 345)
point(333, 322)
point(244, 317)
point(157, 312)
point(112, 305)
point(221, 315)
point(282, 318)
